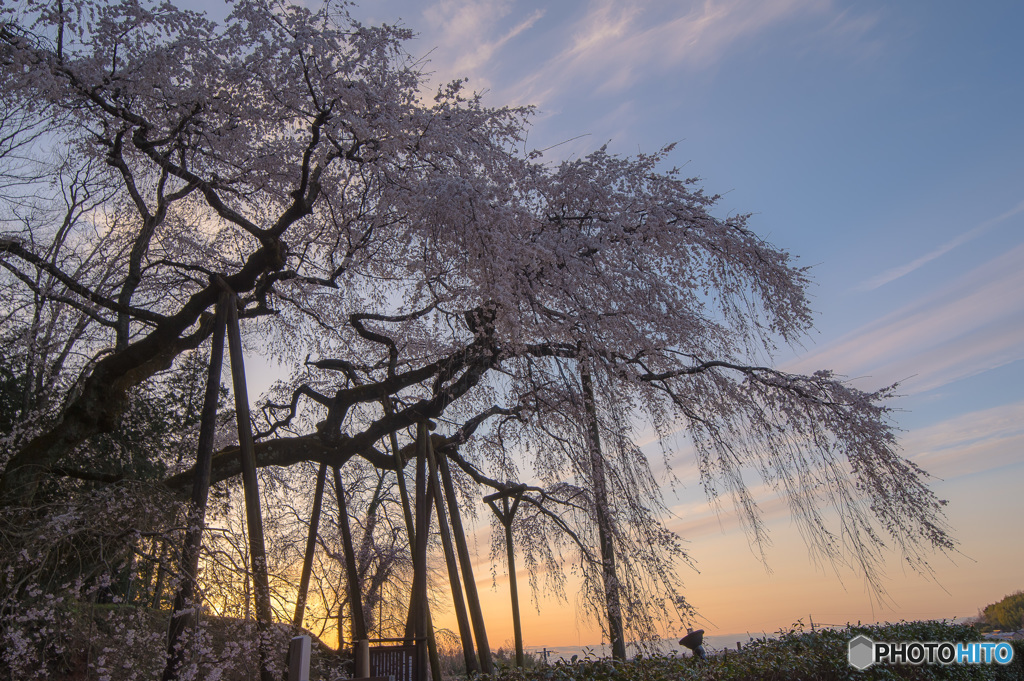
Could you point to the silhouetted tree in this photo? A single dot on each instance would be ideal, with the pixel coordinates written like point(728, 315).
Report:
point(406, 261)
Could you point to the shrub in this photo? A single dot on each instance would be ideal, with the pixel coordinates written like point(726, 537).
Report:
point(796, 654)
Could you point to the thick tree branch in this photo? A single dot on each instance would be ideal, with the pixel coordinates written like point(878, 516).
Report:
point(15, 248)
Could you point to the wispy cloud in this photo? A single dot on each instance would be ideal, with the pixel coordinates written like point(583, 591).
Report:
point(614, 45)
point(970, 443)
point(465, 35)
point(899, 271)
point(972, 324)
point(603, 45)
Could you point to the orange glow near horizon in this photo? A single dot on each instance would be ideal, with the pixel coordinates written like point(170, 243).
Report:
point(735, 594)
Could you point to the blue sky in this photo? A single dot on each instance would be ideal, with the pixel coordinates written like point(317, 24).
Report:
point(881, 143)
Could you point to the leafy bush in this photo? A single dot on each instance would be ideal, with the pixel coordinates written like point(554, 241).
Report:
point(796, 654)
point(1007, 614)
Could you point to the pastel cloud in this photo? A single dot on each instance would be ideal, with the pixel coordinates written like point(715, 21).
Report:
point(604, 45)
point(465, 35)
point(967, 444)
point(972, 324)
point(974, 442)
point(899, 271)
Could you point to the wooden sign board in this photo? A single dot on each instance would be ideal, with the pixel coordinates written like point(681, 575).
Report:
point(395, 663)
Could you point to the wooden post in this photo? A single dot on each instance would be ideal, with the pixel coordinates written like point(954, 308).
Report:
point(341, 620)
point(307, 561)
point(505, 516)
point(517, 625)
point(424, 499)
point(472, 597)
point(355, 595)
point(362, 656)
point(253, 517)
point(419, 561)
point(158, 588)
point(604, 523)
point(406, 510)
point(183, 611)
point(402, 488)
point(465, 633)
point(411, 531)
point(428, 621)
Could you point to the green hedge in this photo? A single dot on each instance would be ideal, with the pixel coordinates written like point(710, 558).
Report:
point(798, 654)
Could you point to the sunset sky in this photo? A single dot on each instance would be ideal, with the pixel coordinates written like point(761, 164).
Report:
point(880, 142)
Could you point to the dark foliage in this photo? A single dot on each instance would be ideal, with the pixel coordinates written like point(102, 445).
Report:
point(797, 654)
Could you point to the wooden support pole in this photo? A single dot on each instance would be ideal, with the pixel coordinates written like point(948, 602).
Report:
point(185, 600)
point(253, 517)
point(461, 616)
point(517, 625)
point(418, 608)
point(307, 561)
point(476, 613)
point(355, 592)
point(402, 487)
point(604, 523)
point(410, 526)
point(362, 655)
point(161, 571)
point(505, 516)
point(341, 619)
point(435, 659)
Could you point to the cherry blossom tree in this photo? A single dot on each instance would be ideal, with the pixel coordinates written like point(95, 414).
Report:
point(407, 259)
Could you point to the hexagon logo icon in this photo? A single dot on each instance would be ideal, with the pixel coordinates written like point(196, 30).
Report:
point(861, 652)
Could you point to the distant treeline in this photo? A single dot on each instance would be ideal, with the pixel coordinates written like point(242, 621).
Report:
point(1007, 614)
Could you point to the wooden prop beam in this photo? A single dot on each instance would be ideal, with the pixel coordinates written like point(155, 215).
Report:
point(461, 616)
point(307, 561)
point(604, 523)
point(505, 516)
point(472, 596)
point(253, 517)
point(418, 609)
point(183, 611)
point(355, 591)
